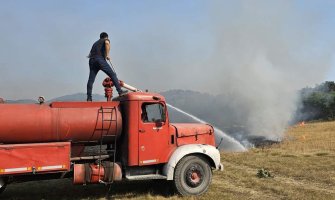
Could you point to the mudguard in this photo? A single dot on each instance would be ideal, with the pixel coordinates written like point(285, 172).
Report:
point(192, 149)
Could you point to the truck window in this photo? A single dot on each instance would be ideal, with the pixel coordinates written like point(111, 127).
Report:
point(153, 112)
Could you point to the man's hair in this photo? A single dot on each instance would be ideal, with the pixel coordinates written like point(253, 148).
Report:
point(103, 35)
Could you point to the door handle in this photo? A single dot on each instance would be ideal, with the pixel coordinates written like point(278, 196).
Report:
point(157, 128)
point(141, 130)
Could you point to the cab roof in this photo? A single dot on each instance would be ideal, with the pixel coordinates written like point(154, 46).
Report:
point(142, 96)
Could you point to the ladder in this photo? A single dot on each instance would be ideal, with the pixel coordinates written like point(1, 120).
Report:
point(106, 125)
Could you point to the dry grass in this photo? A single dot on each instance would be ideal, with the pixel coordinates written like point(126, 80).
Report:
point(303, 166)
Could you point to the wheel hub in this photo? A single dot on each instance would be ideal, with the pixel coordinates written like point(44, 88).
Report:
point(194, 176)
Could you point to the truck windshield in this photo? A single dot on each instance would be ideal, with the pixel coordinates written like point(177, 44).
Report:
point(153, 112)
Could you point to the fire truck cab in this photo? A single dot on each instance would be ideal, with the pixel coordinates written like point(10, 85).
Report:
point(182, 153)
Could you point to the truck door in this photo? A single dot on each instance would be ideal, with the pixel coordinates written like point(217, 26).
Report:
point(153, 133)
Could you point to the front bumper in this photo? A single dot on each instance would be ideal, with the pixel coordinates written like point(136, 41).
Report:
point(220, 167)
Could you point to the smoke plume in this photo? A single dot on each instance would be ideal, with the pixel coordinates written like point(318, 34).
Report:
point(264, 52)
point(252, 55)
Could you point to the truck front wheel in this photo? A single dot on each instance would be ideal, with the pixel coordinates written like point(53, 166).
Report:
point(192, 176)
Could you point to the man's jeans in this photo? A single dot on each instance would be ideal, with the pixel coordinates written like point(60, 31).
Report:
point(97, 64)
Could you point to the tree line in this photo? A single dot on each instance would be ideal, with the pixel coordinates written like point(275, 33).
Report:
point(317, 103)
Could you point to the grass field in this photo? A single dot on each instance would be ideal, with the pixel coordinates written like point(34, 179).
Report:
point(302, 166)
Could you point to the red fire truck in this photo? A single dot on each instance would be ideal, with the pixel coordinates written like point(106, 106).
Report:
point(128, 138)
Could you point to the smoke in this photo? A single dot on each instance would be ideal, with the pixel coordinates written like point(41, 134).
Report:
point(253, 55)
point(264, 52)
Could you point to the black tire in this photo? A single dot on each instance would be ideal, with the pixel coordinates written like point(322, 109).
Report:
point(192, 176)
point(3, 187)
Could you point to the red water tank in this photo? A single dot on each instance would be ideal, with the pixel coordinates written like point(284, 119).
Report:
point(59, 121)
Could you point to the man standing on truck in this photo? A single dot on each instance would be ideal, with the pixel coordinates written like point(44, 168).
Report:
point(98, 56)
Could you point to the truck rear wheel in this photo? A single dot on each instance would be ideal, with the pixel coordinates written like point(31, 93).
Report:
point(3, 184)
point(192, 176)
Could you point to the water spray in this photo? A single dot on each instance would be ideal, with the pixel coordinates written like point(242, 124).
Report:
point(237, 146)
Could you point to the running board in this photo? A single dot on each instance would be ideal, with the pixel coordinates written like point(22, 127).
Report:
point(145, 177)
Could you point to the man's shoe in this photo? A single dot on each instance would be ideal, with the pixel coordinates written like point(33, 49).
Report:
point(123, 92)
point(89, 99)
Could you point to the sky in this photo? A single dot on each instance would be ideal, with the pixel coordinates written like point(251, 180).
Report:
point(163, 45)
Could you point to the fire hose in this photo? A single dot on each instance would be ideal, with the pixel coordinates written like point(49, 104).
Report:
point(123, 84)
